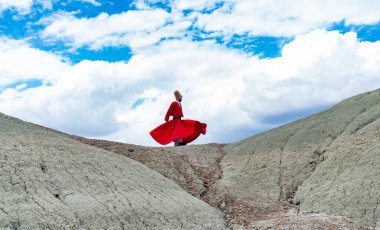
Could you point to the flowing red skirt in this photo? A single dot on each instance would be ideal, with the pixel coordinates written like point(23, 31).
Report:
point(186, 129)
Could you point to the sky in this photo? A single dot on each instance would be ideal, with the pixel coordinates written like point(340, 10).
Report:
point(107, 69)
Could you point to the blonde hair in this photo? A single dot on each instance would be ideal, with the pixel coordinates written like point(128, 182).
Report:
point(177, 95)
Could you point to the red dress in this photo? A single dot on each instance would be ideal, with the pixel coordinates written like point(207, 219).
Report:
point(186, 129)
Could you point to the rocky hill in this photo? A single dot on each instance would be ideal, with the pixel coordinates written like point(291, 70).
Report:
point(325, 163)
point(197, 168)
point(50, 181)
point(320, 172)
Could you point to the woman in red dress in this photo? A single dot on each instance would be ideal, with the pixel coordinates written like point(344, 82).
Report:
point(177, 130)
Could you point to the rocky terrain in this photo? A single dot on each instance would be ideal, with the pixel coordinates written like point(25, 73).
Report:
point(320, 172)
point(327, 163)
point(50, 181)
point(197, 168)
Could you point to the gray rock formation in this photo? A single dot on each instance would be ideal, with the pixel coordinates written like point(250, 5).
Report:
point(320, 172)
point(50, 181)
point(193, 167)
point(196, 168)
point(328, 162)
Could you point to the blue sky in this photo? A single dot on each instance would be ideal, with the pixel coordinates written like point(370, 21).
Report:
point(120, 60)
point(28, 26)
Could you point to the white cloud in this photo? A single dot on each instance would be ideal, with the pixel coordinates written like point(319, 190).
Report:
point(149, 25)
point(178, 5)
point(287, 17)
point(93, 2)
point(18, 61)
point(136, 29)
point(46, 4)
point(315, 69)
point(22, 6)
point(194, 4)
point(230, 91)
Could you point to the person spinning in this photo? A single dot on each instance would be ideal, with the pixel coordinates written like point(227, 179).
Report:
point(177, 130)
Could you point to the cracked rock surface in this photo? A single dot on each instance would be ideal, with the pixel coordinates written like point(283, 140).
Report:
point(50, 181)
point(328, 162)
point(320, 172)
point(195, 167)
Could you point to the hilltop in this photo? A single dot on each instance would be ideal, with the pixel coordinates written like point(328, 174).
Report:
point(317, 172)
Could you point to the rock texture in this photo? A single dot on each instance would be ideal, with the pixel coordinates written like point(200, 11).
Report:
point(328, 162)
point(50, 181)
point(320, 172)
point(197, 168)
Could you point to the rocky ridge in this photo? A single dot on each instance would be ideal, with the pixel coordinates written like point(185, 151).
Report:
point(197, 169)
point(320, 172)
point(324, 163)
point(50, 181)
point(322, 169)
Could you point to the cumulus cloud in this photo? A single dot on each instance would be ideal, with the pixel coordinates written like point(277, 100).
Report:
point(231, 91)
point(134, 28)
point(83, 100)
point(195, 4)
point(93, 2)
point(19, 61)
point(22, 6)
point(318, 68)
point(149, 25)
point(288, 17)
point(178, 5)
point(46, 4)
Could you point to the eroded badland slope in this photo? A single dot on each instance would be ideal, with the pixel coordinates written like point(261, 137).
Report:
point(50, 181)
point(320, 172)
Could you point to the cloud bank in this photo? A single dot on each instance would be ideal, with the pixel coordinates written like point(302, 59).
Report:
point(181, 45)
point(22, 6)
point(231, 91)
point(288, 17)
